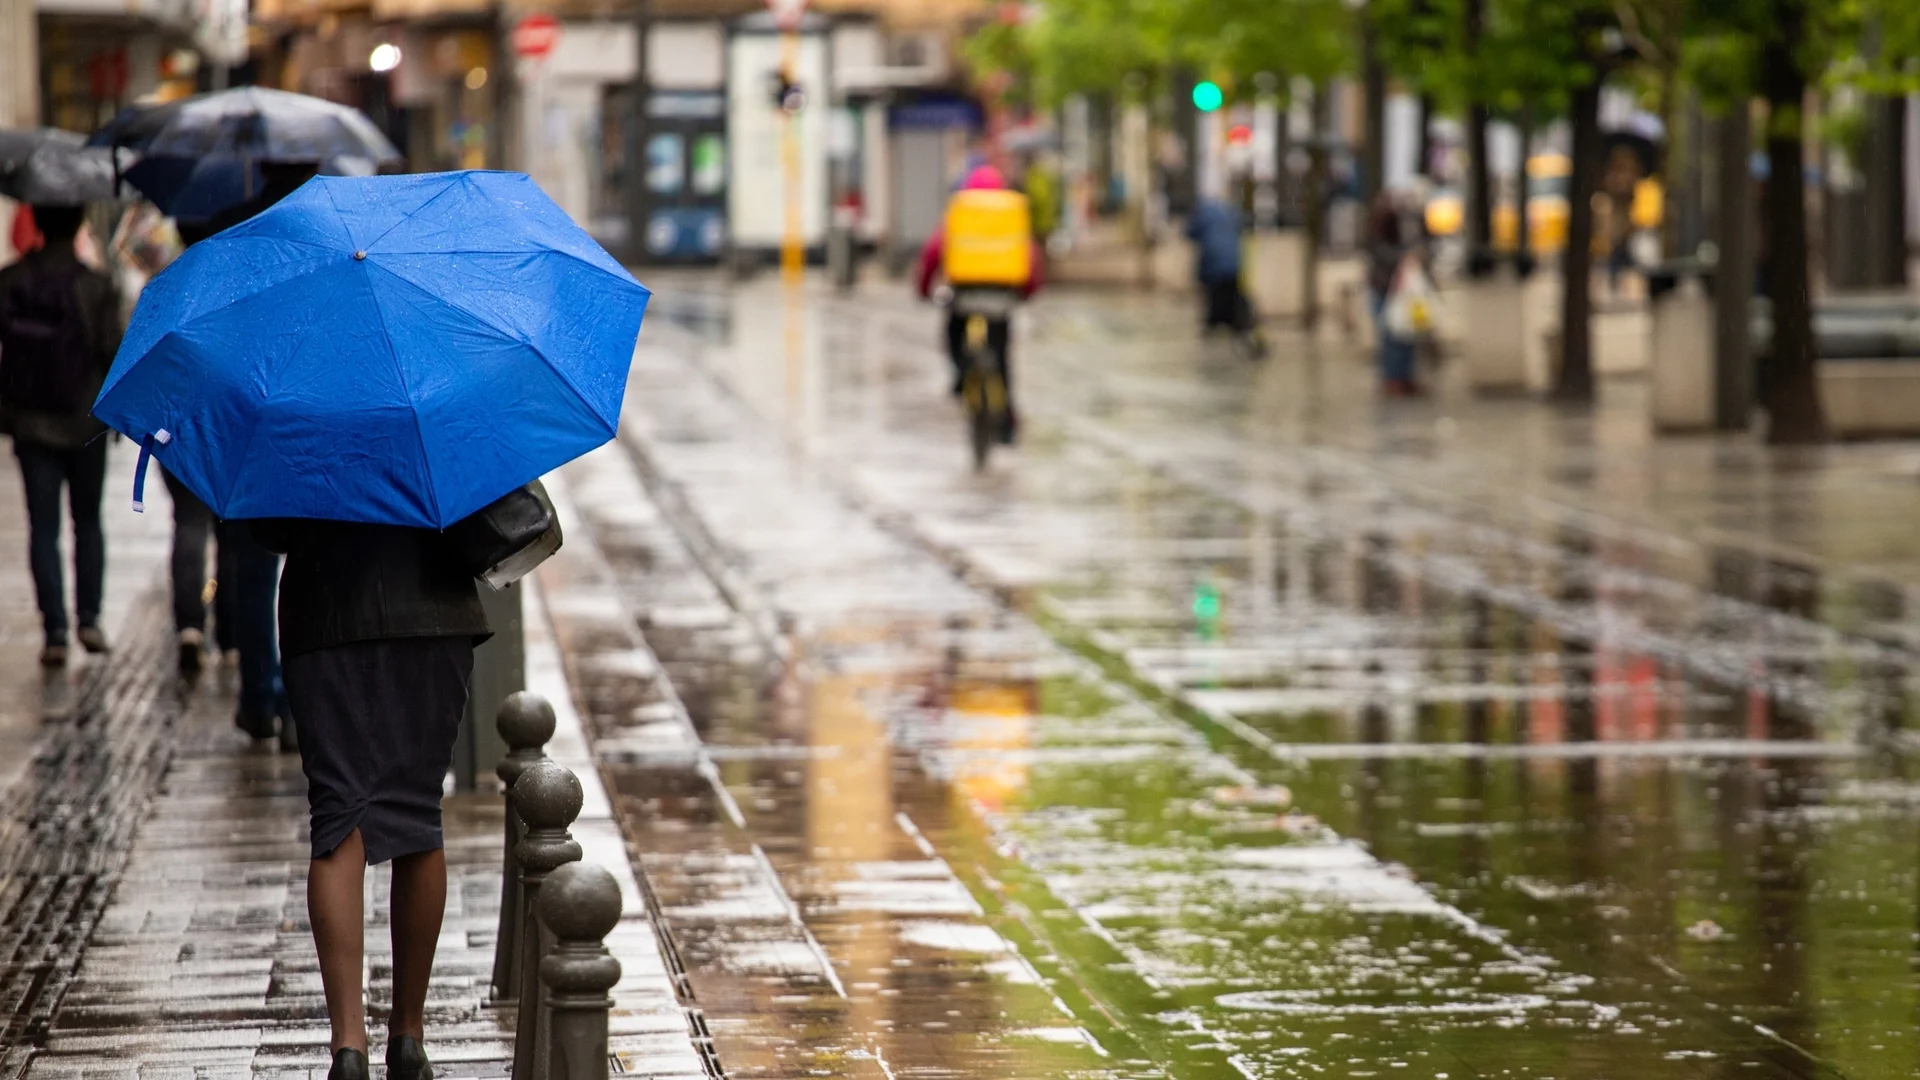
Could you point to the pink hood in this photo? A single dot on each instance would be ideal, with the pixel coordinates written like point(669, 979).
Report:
point(984, 178)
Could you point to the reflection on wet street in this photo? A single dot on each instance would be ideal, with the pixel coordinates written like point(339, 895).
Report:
point(1231, 726)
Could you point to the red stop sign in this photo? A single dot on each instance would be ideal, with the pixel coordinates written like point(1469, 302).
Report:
point(535, 35)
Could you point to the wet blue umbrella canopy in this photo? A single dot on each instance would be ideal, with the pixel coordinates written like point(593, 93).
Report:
point(391, 349)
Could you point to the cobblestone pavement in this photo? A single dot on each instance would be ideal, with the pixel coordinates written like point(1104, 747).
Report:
point(1234, 724)
point(137, 546)
point(152, 875)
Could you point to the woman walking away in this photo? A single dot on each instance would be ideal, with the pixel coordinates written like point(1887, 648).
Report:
point(377, 629)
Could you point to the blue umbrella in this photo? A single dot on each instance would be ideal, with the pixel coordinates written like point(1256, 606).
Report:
point(390, 349)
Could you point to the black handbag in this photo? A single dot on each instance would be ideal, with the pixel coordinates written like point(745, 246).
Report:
point(502, 542)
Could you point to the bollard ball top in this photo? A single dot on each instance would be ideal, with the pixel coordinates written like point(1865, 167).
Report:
point(580, 902)
point(547, 796)
point(525, 720)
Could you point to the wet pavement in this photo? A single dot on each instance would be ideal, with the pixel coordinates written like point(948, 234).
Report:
point(153, 878)
point(1233, 724)
point(137, 548)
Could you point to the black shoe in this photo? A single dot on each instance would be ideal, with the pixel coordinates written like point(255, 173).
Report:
point(255, 726)
point(407, 1059)
point(349, 1064)
point(193, 649)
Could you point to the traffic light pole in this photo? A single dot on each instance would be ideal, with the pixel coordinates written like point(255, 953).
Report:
point(792, 243)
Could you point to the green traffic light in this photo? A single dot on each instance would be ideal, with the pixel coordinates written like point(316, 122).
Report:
point(1207, 96)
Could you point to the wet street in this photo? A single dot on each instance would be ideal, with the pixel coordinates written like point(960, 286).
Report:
point(1235, 724)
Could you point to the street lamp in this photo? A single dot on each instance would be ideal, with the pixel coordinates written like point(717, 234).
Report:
point(385, 57)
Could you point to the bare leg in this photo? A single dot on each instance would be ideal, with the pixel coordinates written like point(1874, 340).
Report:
point(336, 908)
point(419, 902)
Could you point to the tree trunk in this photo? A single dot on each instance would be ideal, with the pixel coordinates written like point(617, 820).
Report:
point(1574, 381)
point(1480, 178)
point(1678, 157)
point(1733, 274)
point(1523, 195)
point(1792, 392)
point(1886, 192)
point(1479, 182)
point(1374, 137)
point(1314, 203)
point(1424, 164)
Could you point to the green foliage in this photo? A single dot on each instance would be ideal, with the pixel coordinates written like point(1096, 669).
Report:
point(1128, 47)
point(1002, 59)
point(1085, 46)
point(1529, 53)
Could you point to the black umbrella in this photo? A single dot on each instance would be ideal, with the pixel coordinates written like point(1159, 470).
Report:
point(250, 123)
point(62, 173)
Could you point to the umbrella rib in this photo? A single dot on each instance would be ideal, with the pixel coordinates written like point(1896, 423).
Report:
point(185, 323)
point(510, 334)
point(437, 196)
point(400, 371)
point(259, 418)
point(627, 279)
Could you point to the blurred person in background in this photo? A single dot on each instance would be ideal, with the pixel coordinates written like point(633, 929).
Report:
point(982, 178)
point(1214, 228)
point(1389, 240)
point(248, 572)
point(59, 329)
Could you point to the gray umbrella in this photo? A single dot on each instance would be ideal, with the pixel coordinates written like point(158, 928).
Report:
point(56, 173)
point(17, 143)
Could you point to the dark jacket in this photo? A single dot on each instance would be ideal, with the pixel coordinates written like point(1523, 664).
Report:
point(1214, 228)
point(346, 582)
point(99, 306)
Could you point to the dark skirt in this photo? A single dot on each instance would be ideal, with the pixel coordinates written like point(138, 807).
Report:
point(377, 721)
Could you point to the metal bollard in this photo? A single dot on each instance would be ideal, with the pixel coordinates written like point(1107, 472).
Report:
point(579, 907)
point(548, 798)
point(525, 723)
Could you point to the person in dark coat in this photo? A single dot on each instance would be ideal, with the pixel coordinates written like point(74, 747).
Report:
point(63, 320)
point(1214, 228)
point(377, 629)
point(246, 570)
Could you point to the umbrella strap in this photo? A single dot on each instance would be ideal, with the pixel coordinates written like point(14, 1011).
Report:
point(140, 469)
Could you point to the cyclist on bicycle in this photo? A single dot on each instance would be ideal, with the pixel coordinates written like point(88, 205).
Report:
point(933, 263)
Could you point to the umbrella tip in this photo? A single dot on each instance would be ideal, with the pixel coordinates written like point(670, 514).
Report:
point(360, 256)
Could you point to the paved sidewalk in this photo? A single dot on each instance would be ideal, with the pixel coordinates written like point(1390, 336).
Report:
point(137, 547)
point(202, 964)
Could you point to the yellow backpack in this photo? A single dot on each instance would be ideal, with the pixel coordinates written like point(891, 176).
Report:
point(989, 238)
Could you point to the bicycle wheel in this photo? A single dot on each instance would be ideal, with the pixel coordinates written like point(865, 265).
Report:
point(981, 428)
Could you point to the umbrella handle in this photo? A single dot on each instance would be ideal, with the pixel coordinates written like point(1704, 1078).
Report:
point(140, 468)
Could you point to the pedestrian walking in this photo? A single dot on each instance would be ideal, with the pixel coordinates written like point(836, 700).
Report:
point(247, 571)
point(440, 385)
point(1388, 243)
point(1214, 228)
point(59, 329)
point(377, 629)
